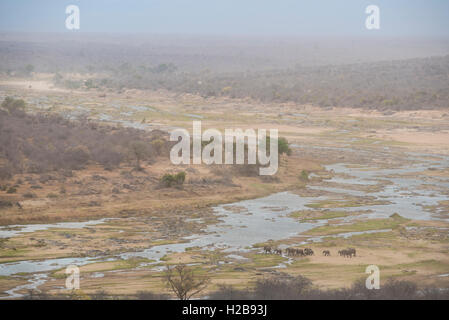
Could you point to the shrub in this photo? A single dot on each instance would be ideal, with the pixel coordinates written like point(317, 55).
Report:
point(5, 204)
point(158, 145)
point(6, 172)
point(304, 176)
point(280, 289)
point(247, 170)
point(11, 190)
point(167, 180)
point(76, 157)
point(14, 106)
point(180, 177)
point(139, 150)
point(170, 180)
point(283, 147)
point(29, 195)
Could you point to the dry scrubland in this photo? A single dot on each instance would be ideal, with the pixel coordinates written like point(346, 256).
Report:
point(83, 148)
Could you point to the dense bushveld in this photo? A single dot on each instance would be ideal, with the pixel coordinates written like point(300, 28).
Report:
point(41, 143)
point(38, 143)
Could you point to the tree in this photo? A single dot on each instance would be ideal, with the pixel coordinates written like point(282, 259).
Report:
point(183, 282)
point(304, 176)
point(14, 106)
point(139, 150)
point(283, 146)
point(29, 68)
point(180, 177)
point(76, 157)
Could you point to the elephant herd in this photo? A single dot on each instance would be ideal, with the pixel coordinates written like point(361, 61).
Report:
point(293, 252)
point(350, 252)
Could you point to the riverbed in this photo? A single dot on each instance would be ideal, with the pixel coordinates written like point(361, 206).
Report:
point(268, 218)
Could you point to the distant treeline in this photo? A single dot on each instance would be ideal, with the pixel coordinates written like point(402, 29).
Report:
point(366, 73)
point(396, 85)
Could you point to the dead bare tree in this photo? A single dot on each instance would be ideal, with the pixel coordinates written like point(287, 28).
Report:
point(183, 282)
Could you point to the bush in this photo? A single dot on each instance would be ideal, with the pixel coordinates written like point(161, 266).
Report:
point(167, 180)
point(29, 195)
point(304, 176)
point(5, 204)
point(170, 180)
point(11, 190)
point(158, 145)
point(139, 150)
point(14, 106)
point(180, 177)
point(76, 157)
point(283, 147)
point(247, 170)
point(6, 172)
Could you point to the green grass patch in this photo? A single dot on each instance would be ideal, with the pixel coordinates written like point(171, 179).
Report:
point(343, 203)
point(10, 253)
point(262, 260)
point(318, 215)
point(359, 226)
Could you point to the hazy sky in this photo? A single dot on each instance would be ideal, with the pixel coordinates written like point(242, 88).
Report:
point(246, 17)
